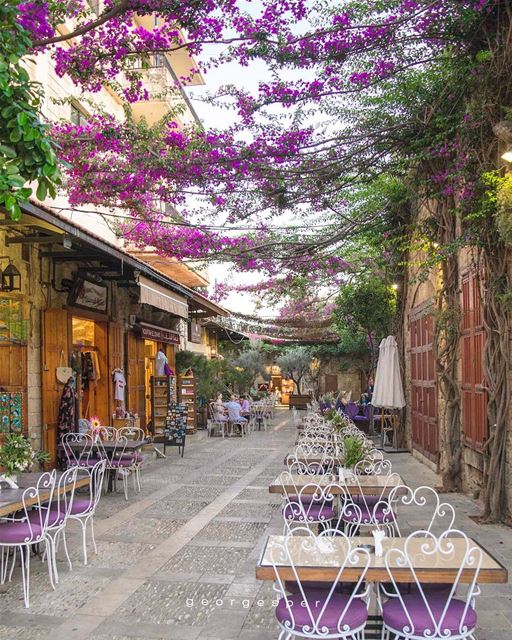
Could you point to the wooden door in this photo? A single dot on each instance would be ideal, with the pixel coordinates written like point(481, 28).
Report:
point(55, 352)
point(331, 382)
point(474, 397)
point(115, 358)
point(423, 385)
point(135, 376)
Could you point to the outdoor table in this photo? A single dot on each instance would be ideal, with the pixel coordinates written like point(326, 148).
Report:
point(323, 566)
point(110, 446)
point(370, 485)
point(11, 500)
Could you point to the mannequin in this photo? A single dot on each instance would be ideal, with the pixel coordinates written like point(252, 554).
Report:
point(160, 362)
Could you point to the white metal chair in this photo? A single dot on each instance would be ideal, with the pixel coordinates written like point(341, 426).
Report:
point(83, 509)
point(79, 449)
point(138, 434)
point(307, 505)
point(325, 613)
point(117, 463)
point(447, 614)
point(22, 534)
point(59, 509)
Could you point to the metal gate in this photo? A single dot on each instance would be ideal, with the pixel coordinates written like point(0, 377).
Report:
point(423, 384)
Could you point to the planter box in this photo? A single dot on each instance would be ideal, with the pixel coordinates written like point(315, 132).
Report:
point(299, 401)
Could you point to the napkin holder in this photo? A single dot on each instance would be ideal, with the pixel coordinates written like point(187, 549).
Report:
point(378, 537)
point(8, 480)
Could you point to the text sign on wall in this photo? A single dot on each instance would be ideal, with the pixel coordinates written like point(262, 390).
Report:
point(158, 334)
point(194, 334)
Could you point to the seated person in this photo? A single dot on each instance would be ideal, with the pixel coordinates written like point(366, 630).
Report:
point(234, 408)
point(219, 411)
point(245, 406)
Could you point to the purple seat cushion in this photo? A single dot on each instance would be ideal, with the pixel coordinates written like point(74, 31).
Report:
point(368, 515)
point(308, 498)
point(332, 618)
point(55, 518)
point(313, 512)
point(408, 587)
point(80, 505)
point(371, 501)
point(88, 463)
point(19, 532)
point(395, 617)
point(122, 462)
point(313, 585)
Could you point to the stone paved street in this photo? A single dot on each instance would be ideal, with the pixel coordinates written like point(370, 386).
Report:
point(178, 560)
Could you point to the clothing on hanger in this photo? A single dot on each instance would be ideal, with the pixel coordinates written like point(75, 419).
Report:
point(119, 385)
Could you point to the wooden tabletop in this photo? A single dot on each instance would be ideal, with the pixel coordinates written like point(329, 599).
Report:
point(323, 565)
point(11, 500)
point(371, 485)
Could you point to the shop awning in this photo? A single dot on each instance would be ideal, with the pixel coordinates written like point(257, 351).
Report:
point(162, 298)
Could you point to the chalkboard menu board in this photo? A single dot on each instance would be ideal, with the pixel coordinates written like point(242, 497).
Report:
point(176, 426)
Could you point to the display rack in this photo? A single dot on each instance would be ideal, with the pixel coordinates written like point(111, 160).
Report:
point(187, 395)
point(163, 394)
point(176, 427)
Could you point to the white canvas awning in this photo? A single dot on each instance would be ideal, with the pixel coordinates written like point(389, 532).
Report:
point(162, 298)
point(388, 392)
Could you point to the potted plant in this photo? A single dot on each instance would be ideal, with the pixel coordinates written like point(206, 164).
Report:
point(353, 452)
point(17, 455)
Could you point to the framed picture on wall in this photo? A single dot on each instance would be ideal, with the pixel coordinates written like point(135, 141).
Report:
point(89, 295)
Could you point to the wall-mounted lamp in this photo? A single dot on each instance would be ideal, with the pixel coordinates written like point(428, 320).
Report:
point(507, 156)
point(10, 277)
point(394, 286)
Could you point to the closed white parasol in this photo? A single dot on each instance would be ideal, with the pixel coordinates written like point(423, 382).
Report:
point(388, 392)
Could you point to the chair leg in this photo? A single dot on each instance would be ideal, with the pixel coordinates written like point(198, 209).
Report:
point(65, 545)
point(25, 573)
point(83, 524)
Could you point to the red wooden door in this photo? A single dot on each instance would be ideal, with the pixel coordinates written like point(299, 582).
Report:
point(423, 385)
point(474, 397)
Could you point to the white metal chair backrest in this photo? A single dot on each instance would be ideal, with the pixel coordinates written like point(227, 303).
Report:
point(439, 516)
point(370, 467)
point(319, 457)
point(96, 475)
point(78, 448)
point(32, 498)
point(114, 452)
point(131, 433)
point(361, 510)
point(107, 433)
point(453, 547)
point(291, 553)
point(304, 504)
point(64, 493)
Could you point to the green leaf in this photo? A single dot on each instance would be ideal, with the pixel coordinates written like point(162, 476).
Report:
point(16, 212)
point(22, 118)
point(41, 190)
point(6, 151)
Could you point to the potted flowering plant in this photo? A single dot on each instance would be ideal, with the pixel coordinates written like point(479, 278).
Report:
point(17, 455)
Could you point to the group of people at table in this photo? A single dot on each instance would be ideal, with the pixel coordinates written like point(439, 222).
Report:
point(346, 551)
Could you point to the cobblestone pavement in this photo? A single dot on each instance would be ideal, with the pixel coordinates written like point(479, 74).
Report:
point(177, 561)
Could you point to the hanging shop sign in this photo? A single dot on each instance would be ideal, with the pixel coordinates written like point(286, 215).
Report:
point(88, 295)
point(158, 334)
point(194, 332)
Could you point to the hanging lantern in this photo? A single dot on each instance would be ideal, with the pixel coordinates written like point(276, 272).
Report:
point(11, 278)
